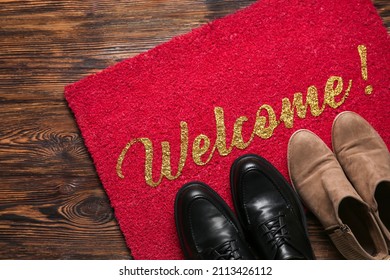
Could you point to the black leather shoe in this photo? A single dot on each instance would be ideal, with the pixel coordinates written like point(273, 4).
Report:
point(269, 210)
point(207, 227)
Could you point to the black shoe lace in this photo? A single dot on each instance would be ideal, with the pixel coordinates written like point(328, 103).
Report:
point(225, 251)
point(275, 230)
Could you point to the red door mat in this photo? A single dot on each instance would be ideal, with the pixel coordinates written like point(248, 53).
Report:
point(242, 84)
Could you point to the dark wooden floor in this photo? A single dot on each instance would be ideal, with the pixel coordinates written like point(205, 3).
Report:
point(52, 205)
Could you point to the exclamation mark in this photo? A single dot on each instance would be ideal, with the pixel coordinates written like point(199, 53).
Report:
point(363, 59)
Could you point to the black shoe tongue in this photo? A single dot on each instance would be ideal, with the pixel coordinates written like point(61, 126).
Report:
point(286, 252)
point(273, 229)
point(226, 250)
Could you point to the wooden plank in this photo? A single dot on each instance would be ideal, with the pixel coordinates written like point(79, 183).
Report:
point(51, 200)
point(57, 218)
point(48, 44)
point(41, 139)
point(52, 204)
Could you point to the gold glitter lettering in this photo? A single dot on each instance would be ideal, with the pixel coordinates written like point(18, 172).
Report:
point(166, 154)
point(331, 91)
point(148, 160)
point(362, 49)
point(237, 140)
point(264, 126)
point(312, 101)
point(166, 157)
point(200, 146)
point(220, 143)
point(260, 128)
point(287, 114)
point(363, 60)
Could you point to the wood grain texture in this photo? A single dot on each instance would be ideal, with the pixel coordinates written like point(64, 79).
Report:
point(52, 204)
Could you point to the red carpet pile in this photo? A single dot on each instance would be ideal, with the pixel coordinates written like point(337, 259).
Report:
point(242, 84)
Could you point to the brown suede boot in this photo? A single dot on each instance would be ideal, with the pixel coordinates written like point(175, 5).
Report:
point(366, 161)
point(321, 183)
